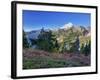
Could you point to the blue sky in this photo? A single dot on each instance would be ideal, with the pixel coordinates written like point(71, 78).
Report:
point(34, 20)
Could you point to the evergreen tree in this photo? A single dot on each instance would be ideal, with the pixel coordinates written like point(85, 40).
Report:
point(46, 41)
point(77, 44)
point(25, 42)
point(82, 48)
point(86, 48)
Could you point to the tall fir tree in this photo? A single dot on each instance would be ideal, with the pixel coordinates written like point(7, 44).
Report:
point(25, 42)
point(46, 40)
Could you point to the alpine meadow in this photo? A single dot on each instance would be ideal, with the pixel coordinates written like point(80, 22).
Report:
point(56, 39)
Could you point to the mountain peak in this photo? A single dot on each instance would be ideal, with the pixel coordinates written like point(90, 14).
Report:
point(68, 25)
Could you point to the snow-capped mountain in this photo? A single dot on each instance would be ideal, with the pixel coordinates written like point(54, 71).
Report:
point(76, 28)
point(67, 26)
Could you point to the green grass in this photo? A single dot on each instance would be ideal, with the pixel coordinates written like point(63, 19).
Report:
point(41, 62)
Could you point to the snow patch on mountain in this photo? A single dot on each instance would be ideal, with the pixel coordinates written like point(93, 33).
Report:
point(66, 26)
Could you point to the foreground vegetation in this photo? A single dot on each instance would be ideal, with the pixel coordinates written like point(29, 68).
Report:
point(34, 59)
